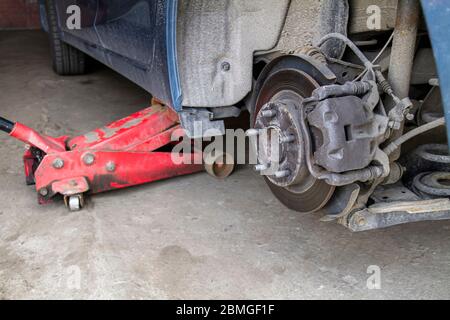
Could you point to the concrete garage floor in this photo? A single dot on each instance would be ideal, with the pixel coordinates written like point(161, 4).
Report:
point(191, 237)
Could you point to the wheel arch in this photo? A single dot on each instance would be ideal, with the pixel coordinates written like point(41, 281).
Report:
point(311, 65)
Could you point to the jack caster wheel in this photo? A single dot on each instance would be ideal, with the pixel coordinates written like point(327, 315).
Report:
point(75, 202)
point(219, 165)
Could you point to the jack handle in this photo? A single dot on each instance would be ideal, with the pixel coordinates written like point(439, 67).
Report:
point(31, 137)
point(6, 125)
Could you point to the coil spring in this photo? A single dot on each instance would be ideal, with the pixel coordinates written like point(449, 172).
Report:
point(360, 88)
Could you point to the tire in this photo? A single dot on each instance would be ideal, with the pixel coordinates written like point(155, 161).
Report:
point(67, 60)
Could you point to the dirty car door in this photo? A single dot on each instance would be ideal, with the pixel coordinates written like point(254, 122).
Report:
point(134, 35)
point(86, 34)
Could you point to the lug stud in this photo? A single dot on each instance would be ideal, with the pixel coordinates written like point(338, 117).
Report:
point(261, 167)
point(252, 132)
point(268, 113)
point(282, 174)
point(287, 139)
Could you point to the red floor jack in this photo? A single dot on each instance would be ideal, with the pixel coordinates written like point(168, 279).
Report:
point(124, 153)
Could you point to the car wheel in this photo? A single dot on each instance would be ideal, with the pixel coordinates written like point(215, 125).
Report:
point(67, 60)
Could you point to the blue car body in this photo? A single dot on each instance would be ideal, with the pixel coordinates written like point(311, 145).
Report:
point(137, 38)
point(437, 15)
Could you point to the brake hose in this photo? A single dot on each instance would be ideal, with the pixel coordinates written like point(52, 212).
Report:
point(411, 134)
point(350, 44)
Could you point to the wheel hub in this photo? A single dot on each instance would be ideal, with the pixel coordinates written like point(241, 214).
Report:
point(276, 121)
point(280, 143)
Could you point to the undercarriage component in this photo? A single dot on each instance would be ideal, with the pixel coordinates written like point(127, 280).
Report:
point(283, 167)
point(424, 68)
point(331, 135)
point(390, 214)
point(394, 145)
point(396, 172)
point(432, 185)
point(350, 131)
point(341, 141)
point(349, 43)
point(122, 154)
point(431, 108)
point(225, 112)
point(276, 113)
point(318, 18)
point(215, 45)
point(433, 157)
point(402, 56)
point(330, 142)
point(394, 205)
point(426, 158)
point(198, 123)
point(341, 179)
point(403, 46)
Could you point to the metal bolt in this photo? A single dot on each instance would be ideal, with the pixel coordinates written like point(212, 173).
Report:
point(394, 124)
point(268, 113)
point(43, 192)
point(88, 159)
point(110, 166)
point(282, 174)
point(287, 139)
point(252, 132)
point(261, 167)
point(361, 221)
point(226, 66)
point(58, 163)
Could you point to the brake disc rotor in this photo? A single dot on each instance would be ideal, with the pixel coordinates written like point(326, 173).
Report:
point(276, 112)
